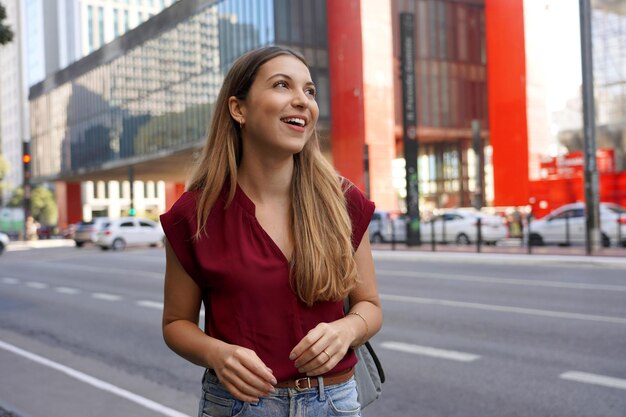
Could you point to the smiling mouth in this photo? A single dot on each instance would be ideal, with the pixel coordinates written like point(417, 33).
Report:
point(296, 121)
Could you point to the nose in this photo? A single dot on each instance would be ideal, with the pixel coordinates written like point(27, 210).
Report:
point(299, 99)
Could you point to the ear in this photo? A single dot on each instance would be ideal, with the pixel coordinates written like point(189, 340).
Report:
point(236, 109)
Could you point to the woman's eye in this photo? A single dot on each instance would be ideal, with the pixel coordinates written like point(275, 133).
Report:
point(311, 92)
point(281, 84)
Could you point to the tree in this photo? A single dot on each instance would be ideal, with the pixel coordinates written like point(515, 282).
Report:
point(6, 34)
point(5, 168)
point(43, 205)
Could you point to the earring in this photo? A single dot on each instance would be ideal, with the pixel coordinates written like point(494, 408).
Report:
point(241, 123)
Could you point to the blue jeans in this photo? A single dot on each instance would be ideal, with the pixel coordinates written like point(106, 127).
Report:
point(321, 401)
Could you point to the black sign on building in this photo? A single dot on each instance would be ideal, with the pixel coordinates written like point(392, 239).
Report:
point(409, 121)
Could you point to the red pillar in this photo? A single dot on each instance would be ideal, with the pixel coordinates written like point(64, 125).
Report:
point(345, 55)
point(173, 190)
point(362, 94)
point(506, 84)
point(69, 203)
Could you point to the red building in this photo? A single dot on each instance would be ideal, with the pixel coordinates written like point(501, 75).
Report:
point(470, 66)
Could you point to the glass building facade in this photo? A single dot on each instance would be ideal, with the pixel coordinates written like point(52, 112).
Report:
point(451, 86)
point(609, 60)
point(151, 91)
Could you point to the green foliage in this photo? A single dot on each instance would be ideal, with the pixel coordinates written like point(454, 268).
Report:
point(17, 199)
point(5, 168)
point(6, 34)
point(43, 205)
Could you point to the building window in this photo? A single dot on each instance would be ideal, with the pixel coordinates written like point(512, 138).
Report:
point(116, 22)
point(90, 25)
point(101, 25)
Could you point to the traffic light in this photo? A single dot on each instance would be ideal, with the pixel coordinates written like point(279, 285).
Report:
point(26, 160)
point(27, 171)
point(131, 212)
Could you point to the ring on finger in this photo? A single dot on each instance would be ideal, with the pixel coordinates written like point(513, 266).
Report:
point(326, 353)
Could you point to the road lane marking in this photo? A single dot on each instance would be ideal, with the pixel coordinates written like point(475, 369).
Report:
point(36, 285)
point(505, 309)
point(94, 382)
point(595, 379)
point(10, 281)
point(430, 351)
point(504, 281)
point(150, 304)
point(108, 270)
point(106, 297)
point(67, 290)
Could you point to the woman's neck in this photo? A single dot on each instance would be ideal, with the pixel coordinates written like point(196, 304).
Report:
point(264, 181)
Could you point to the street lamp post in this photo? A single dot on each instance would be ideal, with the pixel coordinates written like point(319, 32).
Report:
point(592, 232)
point(409, 121)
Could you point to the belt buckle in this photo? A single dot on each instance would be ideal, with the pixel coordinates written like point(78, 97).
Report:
point(298, 381)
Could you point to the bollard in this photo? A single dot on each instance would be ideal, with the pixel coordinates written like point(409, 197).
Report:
point(619, 230)
point(443, 230)
point(529, 244)
point(567, 236)
point(479, 234)
point(393, 234)
point(432, 234)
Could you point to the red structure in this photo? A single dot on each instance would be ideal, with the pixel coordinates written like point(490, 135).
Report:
point(564, 181)
point(504, 21)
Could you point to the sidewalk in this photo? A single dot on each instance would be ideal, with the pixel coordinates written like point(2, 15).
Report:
point(16, 245)
point(502, 254)
point(611, 257)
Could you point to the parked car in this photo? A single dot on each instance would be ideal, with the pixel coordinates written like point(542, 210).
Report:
point(130, 231)
point(553, 228)
point(460, 226)
point(87, 231)
point(380, 227)
point(4, 242)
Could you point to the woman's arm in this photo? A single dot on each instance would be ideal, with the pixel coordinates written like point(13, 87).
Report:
point(240, 370)
point(326, 344)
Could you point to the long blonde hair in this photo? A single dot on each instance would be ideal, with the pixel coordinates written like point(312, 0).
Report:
point(323, 266)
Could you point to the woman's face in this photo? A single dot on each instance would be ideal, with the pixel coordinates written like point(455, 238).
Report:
point(280, 111)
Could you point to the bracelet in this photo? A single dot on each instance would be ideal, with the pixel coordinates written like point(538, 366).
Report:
point(367, 329)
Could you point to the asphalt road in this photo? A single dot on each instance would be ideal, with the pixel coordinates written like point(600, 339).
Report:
point(464, 335)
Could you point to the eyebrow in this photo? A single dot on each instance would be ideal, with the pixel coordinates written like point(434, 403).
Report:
point(288, 77)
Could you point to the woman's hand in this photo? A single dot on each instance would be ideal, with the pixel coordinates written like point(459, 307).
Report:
point(322, 348)
point(243, 373)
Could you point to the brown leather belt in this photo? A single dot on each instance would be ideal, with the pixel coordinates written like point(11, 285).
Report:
point(301, 384)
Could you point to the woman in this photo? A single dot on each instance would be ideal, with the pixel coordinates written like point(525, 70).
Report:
point(272, 241)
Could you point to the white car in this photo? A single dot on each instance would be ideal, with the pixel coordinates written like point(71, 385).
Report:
point(460, 226)
point(4, 242)
point(380, 227)
point(130, 231)
point(553, 228)
point(87, 231)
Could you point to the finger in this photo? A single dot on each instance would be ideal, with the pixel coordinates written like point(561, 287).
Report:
point(326, 366)
point(308, 340)
point(258, 383)
point(240, 395)
point(247, 383)
point(247, 364)
point(302, 352)
point(319, 360)
point(313, 352)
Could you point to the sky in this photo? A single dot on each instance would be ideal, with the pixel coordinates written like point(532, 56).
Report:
point(563, 66)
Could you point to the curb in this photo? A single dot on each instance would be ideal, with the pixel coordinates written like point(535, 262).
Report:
point(500, 258)
point(18, 245)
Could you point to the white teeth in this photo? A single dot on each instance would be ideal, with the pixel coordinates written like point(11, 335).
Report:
point(296, 120)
